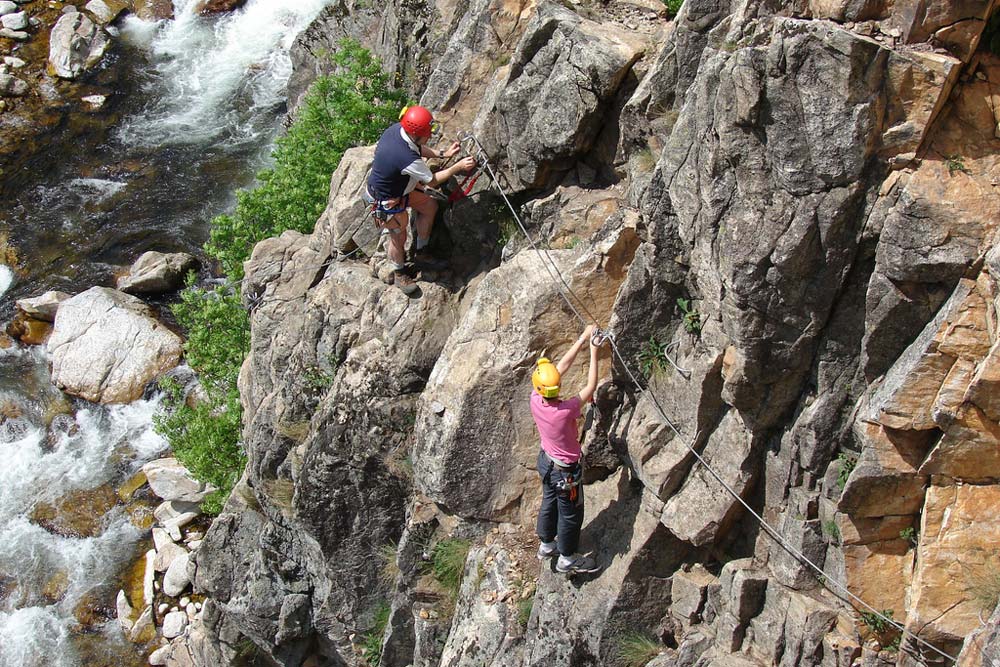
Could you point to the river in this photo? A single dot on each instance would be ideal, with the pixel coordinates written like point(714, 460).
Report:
point(201, 102)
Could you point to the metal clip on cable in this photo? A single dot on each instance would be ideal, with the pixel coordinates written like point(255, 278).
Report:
point(600, 337)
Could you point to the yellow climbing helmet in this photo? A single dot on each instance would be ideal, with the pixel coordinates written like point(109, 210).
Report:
point(545, 379)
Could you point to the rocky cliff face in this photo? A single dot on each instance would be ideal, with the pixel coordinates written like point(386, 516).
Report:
point(796, 200)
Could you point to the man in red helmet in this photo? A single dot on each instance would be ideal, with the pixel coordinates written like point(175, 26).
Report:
point(397, 171)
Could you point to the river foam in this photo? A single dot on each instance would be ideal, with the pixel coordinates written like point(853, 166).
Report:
point(212, 77)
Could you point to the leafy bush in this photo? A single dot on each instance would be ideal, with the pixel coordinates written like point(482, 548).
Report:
point(635, 649)
point(847, 464)
point(205, 436)
point(652, 357)
point(350, 108)
point(371, 644)
point(673, 6)
point(909, 534)
point(831, 529)
point(690, 316)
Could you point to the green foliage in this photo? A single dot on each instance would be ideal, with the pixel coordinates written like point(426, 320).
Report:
point(831, 529)
point(218, 332)
point(652, 357)
point(351, 107)
point(371, 642)
point(524, 608)
point(205, 437)
point(956, 163)
point(909, 534)
point(673, 6)
point(448, 563)
point(876, 623)
point(635, 649)
point(847, 463)
point(691, 317)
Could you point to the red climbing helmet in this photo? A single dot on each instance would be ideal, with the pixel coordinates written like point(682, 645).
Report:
point(417, 121)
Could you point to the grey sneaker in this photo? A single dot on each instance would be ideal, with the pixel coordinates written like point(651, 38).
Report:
point(576, 564)
point(545, 551)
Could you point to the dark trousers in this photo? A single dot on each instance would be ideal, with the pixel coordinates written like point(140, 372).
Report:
point(559, 517)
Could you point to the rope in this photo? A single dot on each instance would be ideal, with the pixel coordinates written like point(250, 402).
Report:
point(565, 291)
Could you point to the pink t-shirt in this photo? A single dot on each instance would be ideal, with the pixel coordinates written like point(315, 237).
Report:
point(556, 422)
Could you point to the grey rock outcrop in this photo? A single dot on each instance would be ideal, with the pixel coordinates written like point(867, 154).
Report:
point(76, 44)
point(170, 480)
point(106, 346)
point(157, 272)
point(11, 86)
point(781, 282)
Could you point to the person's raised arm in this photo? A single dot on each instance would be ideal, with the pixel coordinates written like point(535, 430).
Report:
point(587, 394)
point(570, 356)
point(464, 165)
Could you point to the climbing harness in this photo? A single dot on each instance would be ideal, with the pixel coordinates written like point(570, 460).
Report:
point(569, 296)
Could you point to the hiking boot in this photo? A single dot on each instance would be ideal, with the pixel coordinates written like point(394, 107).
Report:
point(576, 564)
point(425, 260)
point(547, 550)
point(405, 283)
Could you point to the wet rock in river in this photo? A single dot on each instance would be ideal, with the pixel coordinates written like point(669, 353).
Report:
point(29, 330)
point(174, 624)
point(218, 6)
point(7, 7)
point(16, 35)
point(75, 45)
point(106, 347)
point(11, 86)
point(15, 21)
point(106, 11)
point(78, 513)
point(153, 10)
point(157, 272)
point(43, 307)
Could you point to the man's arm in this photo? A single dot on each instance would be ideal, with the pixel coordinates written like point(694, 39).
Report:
point(464, 165)
point(570, 356)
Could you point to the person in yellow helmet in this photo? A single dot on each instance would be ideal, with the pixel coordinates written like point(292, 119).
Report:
point(560, 517)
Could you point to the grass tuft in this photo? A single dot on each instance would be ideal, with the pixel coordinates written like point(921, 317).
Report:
point(635, 649)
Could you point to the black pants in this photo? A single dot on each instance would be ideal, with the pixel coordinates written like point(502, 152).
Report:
point(559, 517)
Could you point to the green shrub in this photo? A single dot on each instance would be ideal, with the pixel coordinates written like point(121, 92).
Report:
point(909, 534)
point(831, 529)
point(847, 464)
point(371, 643)
point(635, 649)
point(673, 6)
point(350, 108)
point(876, 623)
point(652, 357)
point(690, 316)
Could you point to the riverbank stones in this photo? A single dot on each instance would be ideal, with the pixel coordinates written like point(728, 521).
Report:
point(7, 7)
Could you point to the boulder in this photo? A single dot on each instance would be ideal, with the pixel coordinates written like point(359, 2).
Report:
point(15, 21)
point(177, 577)
point(170, 480)
point(144, 629)
point(76, 45)
point(43, 307)
point(11, 86)
point(7, 7)
point(174, 624)
point(106, 11)
point(167, 554)
point(206, 7)
point(157, 272)
point(126, 614)
point(159, 656)
point(106, 346)
point(153, 10)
